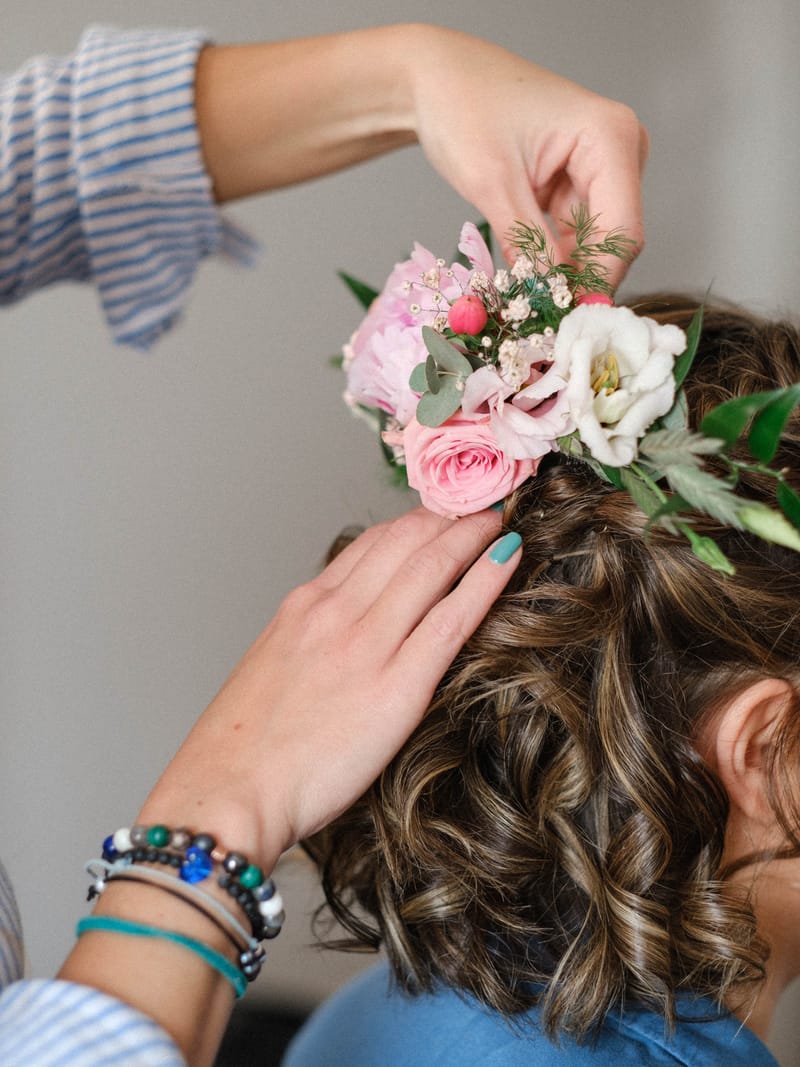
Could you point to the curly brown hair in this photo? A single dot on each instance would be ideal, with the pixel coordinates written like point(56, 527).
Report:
point(549, 835)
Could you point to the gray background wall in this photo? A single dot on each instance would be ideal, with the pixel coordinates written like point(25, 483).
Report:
point(155, 509)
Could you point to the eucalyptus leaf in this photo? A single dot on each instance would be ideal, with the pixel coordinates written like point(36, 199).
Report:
point(418, 383)
point(728, 420)
point(769, 524)
point(789, 502)
point(765, 433)
point(363, 293)
point(434, 382)
point(475, 361)
point(446, 355)
point(684, 362)
point(435, 408)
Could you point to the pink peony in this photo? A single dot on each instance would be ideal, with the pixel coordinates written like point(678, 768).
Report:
point(458, 468)
point(388, 343)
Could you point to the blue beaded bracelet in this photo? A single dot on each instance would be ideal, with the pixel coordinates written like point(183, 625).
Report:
point(214, 959)
point(194, 856)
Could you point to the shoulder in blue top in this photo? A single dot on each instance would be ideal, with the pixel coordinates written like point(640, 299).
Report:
point(370, 1024)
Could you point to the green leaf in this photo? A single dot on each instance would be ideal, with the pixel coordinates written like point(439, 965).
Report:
point(446, 355)
point(708, 551)
point(789, 502)
point(707, 493)
point(728, 420)
point(684, 362)
point(769, 524)
point(432, 379)
point(765, 433)
point(363, 293)
point(643, 496)
point(418, 383)
point(435, 408)
point(664, 448)
point(677, 418)
point(613, 474)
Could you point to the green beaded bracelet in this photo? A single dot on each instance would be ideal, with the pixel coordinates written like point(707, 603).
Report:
point(209, 955)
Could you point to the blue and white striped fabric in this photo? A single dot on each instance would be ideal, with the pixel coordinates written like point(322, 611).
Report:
point(102, 177)
point(60, 1024)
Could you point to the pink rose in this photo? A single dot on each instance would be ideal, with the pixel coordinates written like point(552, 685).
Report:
point(458, 468)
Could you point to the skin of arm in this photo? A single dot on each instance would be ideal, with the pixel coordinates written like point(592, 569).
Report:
point(307, 720)
point(522, 143)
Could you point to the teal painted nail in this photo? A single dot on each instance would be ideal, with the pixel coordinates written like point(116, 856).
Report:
point(505, 548)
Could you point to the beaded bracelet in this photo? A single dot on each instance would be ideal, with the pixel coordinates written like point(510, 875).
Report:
point(210, 956)
point(193, 856)
point(250, 953)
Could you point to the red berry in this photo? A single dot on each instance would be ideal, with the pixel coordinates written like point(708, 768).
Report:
point(467, 315)
point(595, 298)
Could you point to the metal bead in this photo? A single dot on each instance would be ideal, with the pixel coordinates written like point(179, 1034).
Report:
point(138, 835)
point(205, 842)
point(235, 862)
point(181, 838)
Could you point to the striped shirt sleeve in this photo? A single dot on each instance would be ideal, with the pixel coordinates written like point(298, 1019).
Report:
point(102, 178)
point(60, 1024)
point(11, 954)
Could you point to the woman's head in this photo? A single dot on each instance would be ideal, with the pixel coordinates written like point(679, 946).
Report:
point(551, 833)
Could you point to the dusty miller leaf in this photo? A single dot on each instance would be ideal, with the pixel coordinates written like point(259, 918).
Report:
point(706, 493)
point(664, 448)
point(769, 524)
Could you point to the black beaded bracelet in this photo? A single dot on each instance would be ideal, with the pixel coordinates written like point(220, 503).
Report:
point(193, 856)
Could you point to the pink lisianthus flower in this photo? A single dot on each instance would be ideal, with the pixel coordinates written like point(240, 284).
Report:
point(388, 344)
point(525, 424)
point(458, 468)
point(473, 246)
point(618, 372)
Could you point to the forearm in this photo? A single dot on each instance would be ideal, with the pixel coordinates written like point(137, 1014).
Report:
point(277, 113)
point(178, 990)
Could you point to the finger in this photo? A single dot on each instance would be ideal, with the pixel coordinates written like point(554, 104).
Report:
point(342, 564)
point(427, 575)
point(606, 173)
point(433, 645)
point(387, 555)
point(522, 209)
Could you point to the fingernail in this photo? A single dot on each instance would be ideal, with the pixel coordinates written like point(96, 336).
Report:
point(505, 548)
point(498, 506)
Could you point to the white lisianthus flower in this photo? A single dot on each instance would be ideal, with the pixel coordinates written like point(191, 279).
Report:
point(618, 372)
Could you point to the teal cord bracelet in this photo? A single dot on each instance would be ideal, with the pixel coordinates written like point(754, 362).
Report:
point(209, 955)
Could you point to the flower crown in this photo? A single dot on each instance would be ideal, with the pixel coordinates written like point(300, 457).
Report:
point(473, 374)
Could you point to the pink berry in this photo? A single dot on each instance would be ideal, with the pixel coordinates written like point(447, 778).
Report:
point(467, 315)
point(595, 298)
